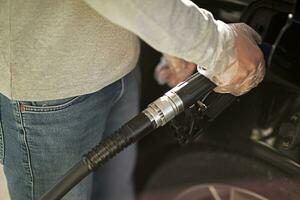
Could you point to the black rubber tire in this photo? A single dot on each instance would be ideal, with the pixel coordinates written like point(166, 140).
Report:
point(193, 166)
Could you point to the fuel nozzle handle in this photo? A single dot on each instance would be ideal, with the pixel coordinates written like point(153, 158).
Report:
point(178, 99)
point(193, 89)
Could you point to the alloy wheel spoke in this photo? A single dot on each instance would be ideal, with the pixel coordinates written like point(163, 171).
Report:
point(214, 193)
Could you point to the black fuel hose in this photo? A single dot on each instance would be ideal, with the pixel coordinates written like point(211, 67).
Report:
point(157, 114)
point(136, 128)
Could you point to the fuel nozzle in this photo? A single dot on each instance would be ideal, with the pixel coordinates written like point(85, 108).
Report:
point(178, 99)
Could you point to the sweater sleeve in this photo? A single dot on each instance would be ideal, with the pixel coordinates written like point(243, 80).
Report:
point(176, 27)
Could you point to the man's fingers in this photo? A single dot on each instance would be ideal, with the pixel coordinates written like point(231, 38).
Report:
point(250, 82)
point(243, 68)
point(173, 70)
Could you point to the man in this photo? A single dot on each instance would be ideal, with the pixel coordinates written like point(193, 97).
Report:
point(65, 81)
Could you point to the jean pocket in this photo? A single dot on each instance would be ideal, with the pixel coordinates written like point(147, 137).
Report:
point(48, 106)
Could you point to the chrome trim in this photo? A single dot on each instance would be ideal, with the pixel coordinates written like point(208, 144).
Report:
point(162, 110)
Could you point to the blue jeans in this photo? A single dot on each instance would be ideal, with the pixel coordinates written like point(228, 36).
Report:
point(40, 141)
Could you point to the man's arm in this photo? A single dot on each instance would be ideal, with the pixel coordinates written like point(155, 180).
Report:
point(227, 54)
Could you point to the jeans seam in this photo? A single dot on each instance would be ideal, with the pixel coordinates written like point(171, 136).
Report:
point(121, 92)
point(2, 150)
point(37, 109)
point(27, 150)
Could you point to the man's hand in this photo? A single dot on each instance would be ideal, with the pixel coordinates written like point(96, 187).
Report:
point(243, 67)
point(246, 68)
point(173, 70)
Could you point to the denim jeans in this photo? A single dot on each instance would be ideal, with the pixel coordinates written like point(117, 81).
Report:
point(40, 141)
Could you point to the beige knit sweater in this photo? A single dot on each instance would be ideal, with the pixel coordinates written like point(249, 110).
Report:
point(52, 49)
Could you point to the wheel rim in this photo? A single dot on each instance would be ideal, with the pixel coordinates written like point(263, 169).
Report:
point(218, 192)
